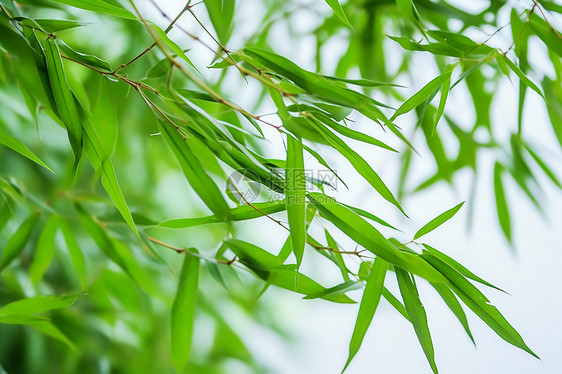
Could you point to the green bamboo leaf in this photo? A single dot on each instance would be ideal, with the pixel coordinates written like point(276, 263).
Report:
point(545, 168)
point(48, 25)
point(369, 302)
point(194, 172)
point(183, 311)
point(45, 250)
point(546, 33)
point(270, 268)
point(40, 324)
point(338, 257)
point(103, 165)
point(369, 237)
point(370, 216)
point(47, 328)
point(553, 89)
point(501, 203)
point(458, 267)
point(419, 97)
point(453, 303)
point(54, 25)
point(479, 304)
point(323, 162)
point(362, 82)
point(445, 88)
point(221, 13)
point(350, 133)
point(358, 163)
point(286, 277)
point(240, 213)
point(215, 272)
point(338, 10)
point(99, 6)
point(438, 221)
point(17, 242)
point(416, 312)
point(321, 88)
point(14, 144)
point(433, 48)
point(529, 83)
point(296, 196)
point(170, 43)
point(64, 99)
point(393, 300)
point(340, 289)
point(38, 304)
point(408, 8)
point(76, 255)
point(86, 59)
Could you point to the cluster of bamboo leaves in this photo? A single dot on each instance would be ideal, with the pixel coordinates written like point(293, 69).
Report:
point(96, 265)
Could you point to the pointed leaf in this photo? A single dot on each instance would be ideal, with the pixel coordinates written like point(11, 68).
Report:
point(501, 203)
point(14, 144)
point(45, 250)
point(438, 221)
point(338, 10)
point(479, 304)
point(419, 97)
point(17, 242)
point(183, 311)
point(296, 196)
point(369, 302)
point(416, 312)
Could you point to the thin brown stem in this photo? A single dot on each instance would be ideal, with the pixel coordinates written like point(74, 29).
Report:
point(170, 27)
point(546, 19)
point(198, 82)
point(131, 82)
point(191, 253)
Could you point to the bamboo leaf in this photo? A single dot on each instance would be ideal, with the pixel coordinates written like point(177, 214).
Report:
point(369, 303)
point(45, 250)
point(419, 97)
point(221, 13)
point(358, 163)
point(458, 267)
point(451, 300)
point(269, 268)
point(76, 255)
point(87, 59)
point(369, 237)
point(241, 213)
point(545, 168)
point(183, 311)
point(194, 172)
point(99, 6)
point(445, 88)
point(14, 144)
point(529, 83)
point(102, 164)
point(338, 10)
point(64, 99)
point(501, 203)
point(296, 196)
point(479, 304)
point(416, 312)
point(38, 304)
point(17, 242)
point(438, 221)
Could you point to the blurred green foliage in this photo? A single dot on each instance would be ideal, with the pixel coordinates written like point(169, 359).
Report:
point(112, 263)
